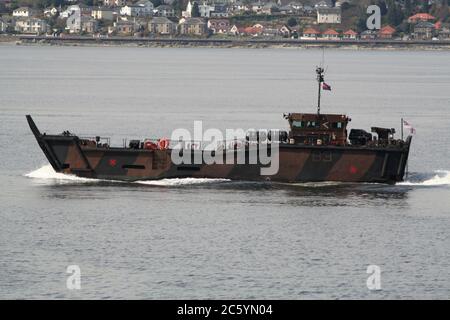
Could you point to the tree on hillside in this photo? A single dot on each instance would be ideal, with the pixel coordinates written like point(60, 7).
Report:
point(195, 10)
point(157, 3)
point(443, 13)
point(178, 7)
point(292, 22)
point(2, 8)
point(383, 7)
point(361, 24)
point(345, 6)
point(408, 8)
point(425, 7)
point(394, 15)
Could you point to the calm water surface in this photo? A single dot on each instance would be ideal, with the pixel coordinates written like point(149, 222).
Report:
point(211, 239)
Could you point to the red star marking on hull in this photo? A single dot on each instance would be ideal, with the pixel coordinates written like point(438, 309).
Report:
point(353, 169)
point(112, 162)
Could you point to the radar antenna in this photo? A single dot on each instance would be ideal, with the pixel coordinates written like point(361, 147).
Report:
point(320, 79)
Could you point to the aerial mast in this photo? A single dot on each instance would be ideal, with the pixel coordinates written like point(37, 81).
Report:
point(320, 80)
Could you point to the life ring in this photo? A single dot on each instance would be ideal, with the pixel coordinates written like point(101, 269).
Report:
point(150, 145)
point(163, 144)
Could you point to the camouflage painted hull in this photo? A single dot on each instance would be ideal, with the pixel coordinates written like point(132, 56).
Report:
point(297, 163)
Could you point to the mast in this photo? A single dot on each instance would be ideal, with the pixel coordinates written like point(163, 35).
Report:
point(401, 127)
point(320, 79)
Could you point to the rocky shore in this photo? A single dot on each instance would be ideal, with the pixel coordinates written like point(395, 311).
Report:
point(227, 43)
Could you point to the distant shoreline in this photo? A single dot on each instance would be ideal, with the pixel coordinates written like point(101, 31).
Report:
point(226, 43)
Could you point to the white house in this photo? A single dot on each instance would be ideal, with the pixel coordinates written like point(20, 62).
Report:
point(50, 12)
point(74, 8)
point(73, 22)
point(145, 8)
point(69, 11)
point(78, 22)
point(234, 30)
point(114, 3)
point(23, 12)
point(164, 10)
point(204, 9)
point(328, 15)
point(31, 25)
point(103, 13)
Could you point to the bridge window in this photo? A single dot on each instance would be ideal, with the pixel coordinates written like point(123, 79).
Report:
point(298, 124)
point(337, 125)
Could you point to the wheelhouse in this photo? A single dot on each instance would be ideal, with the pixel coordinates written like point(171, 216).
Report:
point(318, 129)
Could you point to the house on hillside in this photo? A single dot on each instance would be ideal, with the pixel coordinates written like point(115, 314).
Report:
point(420, 17)
point(24, 12)
point(114, 3)
point(386, 32)
point(424, 30)
point(256, 7)
point(81, 8)
point(235, 30)
point(50, 12)
point(330, 34)
point(162, 26)
point(89, 24)
point(310, 34)
point(369, 35)
point(78, 22)
point(289, 31)
point(142, 8)
point(322, 3)
point(444, 32)
point(125, 28)
point(254, 31)
point(328, 15)
point(103, 13)
point(165, 10)
point(192, 26)
point(31, 25)
point(350, 35)
point(219, 25)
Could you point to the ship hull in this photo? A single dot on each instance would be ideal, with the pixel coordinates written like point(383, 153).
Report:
point(297, 163)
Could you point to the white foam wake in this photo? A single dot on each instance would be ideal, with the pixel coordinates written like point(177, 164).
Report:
point(48, 173)
point(441, 178)
point(180, 181)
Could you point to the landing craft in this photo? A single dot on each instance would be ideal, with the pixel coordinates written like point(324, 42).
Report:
point(316, 148)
